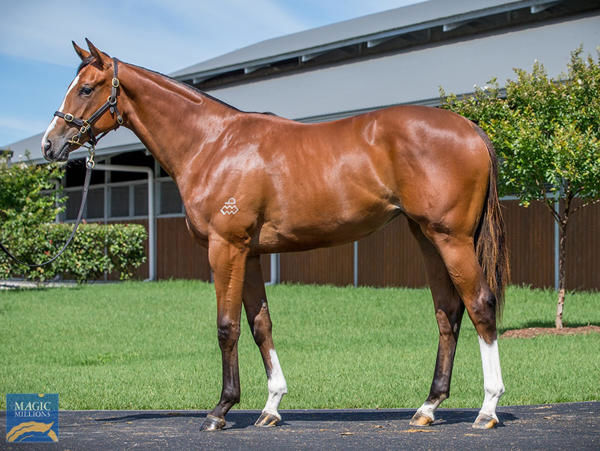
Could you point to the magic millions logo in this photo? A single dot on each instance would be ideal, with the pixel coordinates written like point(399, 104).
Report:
point(31, 417)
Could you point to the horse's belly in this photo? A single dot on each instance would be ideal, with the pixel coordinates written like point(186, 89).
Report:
point(322, 231)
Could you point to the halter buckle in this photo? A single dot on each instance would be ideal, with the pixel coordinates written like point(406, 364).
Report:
point(84, 128)
point(115, 82)
point(111, 100)
point(68, 117)
point(75, 140)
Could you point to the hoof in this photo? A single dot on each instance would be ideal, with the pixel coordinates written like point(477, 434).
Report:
point(267, 420)
point(212, 423)
point(484, 421)
point(420, 420)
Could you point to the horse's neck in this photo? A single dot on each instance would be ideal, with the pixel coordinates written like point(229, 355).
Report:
point(174, 122)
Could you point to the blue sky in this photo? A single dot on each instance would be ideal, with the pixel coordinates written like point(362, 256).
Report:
point(37, 61)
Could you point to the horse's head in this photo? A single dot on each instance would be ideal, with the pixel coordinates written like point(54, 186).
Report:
point(83, 113)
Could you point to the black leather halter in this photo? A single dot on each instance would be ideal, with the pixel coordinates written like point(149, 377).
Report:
point(85, 126)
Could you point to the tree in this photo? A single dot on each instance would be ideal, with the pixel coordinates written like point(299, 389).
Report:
point(547, 134)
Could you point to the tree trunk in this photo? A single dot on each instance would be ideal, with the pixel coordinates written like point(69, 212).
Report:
point(562, 270)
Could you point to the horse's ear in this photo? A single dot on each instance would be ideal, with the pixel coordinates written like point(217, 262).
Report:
point(83, 54)
point(97, 54)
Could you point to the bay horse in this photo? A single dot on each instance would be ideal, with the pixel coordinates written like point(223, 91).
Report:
point(256, 183)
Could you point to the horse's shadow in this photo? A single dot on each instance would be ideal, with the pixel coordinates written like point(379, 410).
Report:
point(241, 419)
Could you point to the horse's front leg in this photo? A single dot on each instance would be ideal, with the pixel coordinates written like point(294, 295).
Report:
point(228, 262)
point(257, 311)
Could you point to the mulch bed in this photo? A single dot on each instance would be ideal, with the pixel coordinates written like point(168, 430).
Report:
point(537, 331)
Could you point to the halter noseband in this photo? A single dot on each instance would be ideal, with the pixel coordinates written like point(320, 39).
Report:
point(85, 126)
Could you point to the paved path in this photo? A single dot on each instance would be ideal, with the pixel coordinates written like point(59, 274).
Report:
point(574, 426)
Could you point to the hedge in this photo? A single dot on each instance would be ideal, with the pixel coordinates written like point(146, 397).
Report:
point(95, 250)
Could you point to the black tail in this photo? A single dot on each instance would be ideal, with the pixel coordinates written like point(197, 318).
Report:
point(490, 243)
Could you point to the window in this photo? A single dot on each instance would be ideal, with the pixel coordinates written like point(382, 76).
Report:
point(121, 195)
point(95, 204)
point(72, 204)
point(140, 196)
point(170, 201)
point(119, 201)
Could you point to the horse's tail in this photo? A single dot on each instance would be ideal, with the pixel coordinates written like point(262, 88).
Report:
point(490, 243)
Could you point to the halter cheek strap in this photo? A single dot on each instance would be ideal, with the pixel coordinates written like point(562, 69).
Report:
point(85, 126)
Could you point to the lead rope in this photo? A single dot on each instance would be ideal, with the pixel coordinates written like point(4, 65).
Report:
point(89, 165)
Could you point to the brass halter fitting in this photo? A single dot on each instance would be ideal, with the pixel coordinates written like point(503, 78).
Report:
point(89, 162)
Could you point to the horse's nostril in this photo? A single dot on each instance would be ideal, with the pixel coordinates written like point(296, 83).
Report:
point(47, 145)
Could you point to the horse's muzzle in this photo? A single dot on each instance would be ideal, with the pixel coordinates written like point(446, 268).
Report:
point(52, 152)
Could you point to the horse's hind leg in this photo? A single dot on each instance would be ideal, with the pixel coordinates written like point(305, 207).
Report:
point(449, 310)
point(458, 253)
point(257, 312)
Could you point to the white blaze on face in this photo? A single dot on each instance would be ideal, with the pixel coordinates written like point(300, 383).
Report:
point(277, 386)
point(492, 376)
point(61, 108)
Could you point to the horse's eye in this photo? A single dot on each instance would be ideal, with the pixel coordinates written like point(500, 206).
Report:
point(85, 90)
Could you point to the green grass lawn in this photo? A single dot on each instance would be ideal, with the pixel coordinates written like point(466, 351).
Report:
point(154, 346)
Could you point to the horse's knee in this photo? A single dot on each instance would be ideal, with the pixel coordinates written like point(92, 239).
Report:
point(228, 332)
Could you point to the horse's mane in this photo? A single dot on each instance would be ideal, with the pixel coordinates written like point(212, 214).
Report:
point(84, 63)
point(87, 61)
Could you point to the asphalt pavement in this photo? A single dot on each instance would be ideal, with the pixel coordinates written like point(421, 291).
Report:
point(573, 426)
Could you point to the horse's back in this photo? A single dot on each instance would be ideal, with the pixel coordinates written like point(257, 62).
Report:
point(338, 181)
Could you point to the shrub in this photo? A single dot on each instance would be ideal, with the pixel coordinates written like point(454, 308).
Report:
point(95, 249)
point(23, 189)
point(29, 202)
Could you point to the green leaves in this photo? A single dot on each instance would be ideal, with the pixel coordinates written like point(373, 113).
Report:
point(546, 131)
point(23, 202)
point(29, 201)
point(96, 249)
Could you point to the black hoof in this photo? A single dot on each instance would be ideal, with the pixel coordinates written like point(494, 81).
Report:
point(267, 420)
point(484, 421)
point(212, 423)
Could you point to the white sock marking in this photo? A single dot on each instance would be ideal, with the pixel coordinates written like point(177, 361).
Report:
point(61, 108)
point(492, 377)
point(277, 386)
point(428, 409)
